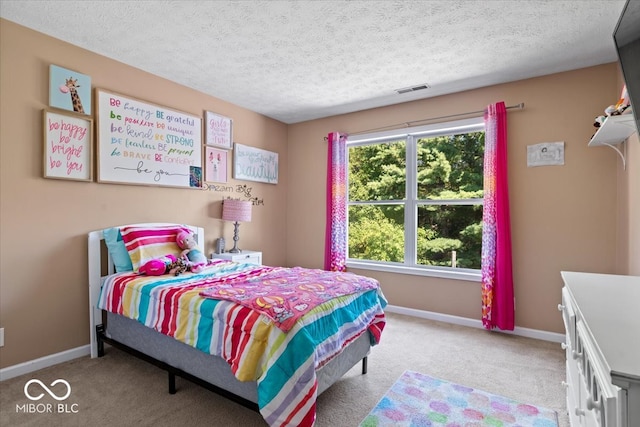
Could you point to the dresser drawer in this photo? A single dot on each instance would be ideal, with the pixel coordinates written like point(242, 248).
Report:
point(573, 393)
point(599, 399)
point(249, 257)
point(568, 318)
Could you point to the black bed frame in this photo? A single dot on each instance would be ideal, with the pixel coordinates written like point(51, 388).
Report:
point(102, 338)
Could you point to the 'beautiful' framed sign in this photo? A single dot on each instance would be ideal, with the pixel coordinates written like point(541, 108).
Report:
point(254, 164)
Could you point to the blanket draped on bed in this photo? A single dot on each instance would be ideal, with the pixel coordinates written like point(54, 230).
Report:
point(282, 363)
point(286, 294)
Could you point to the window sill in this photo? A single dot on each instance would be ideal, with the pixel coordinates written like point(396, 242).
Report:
point(444, 273)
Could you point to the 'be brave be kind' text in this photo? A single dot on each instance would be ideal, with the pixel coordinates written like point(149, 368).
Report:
point(134, 136)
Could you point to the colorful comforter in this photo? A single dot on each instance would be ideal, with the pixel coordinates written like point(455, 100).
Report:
point(282, 363)
point(286, 294)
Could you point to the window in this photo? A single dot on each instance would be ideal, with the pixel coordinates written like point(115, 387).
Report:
point(415, 200)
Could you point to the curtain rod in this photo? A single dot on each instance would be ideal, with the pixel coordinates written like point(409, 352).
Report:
point(413, 122)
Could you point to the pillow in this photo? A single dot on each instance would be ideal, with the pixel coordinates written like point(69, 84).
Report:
point(117, 250)
point(146, 243)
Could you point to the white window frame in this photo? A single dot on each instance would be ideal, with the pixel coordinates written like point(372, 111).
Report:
point(411, 135)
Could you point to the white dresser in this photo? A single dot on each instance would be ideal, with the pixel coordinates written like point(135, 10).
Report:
point(601, 314)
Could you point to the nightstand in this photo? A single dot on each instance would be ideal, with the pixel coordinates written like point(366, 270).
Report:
point(249, 257)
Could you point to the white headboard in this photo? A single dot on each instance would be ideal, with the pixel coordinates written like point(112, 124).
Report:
point(95, 271)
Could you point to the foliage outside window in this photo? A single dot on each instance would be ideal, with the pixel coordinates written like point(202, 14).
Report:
point(415, 199)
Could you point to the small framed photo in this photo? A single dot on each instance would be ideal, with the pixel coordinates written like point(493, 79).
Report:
point(215, 165)
point(67, 142)
point(218, 131)
point(69, 90)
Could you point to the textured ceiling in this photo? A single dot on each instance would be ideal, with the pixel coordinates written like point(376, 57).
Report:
point(301, 60)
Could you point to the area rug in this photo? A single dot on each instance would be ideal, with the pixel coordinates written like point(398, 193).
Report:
point(417, 400)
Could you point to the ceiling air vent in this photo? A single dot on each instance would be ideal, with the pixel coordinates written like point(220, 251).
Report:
point(412, 88)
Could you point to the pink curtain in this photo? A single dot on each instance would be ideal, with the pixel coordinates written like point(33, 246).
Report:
point(336, 234)
point(497, 280)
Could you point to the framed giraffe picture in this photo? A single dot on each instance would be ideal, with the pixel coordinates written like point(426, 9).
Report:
point(69, 90)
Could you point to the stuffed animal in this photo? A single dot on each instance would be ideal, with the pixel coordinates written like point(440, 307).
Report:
point(615, 110)
point(157, 266)
point(599, 120)
point(190, 252)
point(178, 267)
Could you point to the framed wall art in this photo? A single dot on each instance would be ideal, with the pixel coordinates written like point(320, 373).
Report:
point(146, 144)
point(215, 165)
point(69, 90)
point(254, 164)
point(218, 131)
point(68, 145)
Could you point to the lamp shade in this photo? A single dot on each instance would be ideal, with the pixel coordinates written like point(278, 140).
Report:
point(236, 210)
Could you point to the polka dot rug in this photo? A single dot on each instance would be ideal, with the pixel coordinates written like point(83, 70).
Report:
point(418, 400)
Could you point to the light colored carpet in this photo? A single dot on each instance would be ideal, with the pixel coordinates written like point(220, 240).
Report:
point(119, 389)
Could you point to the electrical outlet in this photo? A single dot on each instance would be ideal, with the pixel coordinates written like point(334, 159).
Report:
point(1, 337)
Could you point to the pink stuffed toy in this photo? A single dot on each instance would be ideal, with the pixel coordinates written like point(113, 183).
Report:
point(187, 242)
point(157, 266)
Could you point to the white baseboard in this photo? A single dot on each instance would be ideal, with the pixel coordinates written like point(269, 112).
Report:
point(473, 323)
point(43, 362)
point(74, 353)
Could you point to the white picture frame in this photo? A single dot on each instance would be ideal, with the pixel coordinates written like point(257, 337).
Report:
point(218, 130)
point(255, 164)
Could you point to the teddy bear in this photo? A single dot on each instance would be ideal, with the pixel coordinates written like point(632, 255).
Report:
point(157, 266)
point(190, 252)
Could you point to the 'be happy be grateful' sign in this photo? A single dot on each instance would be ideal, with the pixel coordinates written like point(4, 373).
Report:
point(146, 144)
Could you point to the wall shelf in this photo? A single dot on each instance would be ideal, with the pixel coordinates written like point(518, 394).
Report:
point(615, 130)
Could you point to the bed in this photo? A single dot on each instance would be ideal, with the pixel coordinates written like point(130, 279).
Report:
point(269, 338)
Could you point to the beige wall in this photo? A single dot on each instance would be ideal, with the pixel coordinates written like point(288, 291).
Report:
point(628, 237)
point(563, 217)
point(44, 222)
point(574, 217)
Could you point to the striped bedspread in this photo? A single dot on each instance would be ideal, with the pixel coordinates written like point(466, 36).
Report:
point(283, 364)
